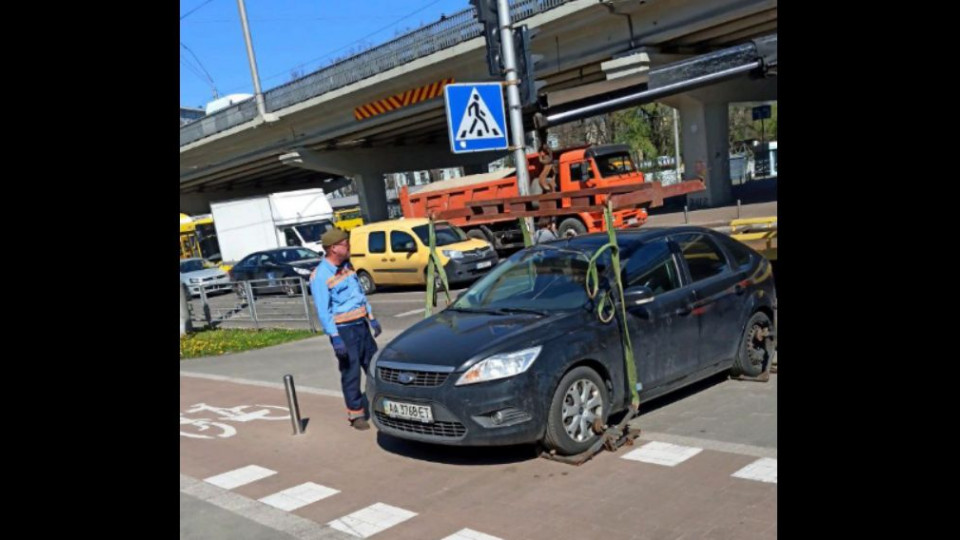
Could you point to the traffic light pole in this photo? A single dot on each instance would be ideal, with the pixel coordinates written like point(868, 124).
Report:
point(513, 97)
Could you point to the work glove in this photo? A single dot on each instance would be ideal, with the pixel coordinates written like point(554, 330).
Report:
point(376, 327)
point(339, 347)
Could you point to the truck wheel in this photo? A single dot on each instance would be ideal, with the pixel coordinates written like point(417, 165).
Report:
point(366, 282)
point(579, 402)
point(571, 227)
point(479, 235)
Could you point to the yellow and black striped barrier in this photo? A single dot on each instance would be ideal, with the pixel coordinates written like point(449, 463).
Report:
point(399, 101)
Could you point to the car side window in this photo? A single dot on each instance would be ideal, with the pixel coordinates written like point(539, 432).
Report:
point(652, 266)
point(702, 255)
point(248, 262)
point(398, 241)
point(264, 259)
point(742, 256)
point(378, 242)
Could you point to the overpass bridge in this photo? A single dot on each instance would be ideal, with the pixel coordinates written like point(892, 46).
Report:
point(382, 111)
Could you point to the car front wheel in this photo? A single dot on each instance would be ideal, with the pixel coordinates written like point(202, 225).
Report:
point(577, 412)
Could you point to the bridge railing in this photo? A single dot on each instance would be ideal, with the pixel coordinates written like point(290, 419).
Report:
point(443, 34)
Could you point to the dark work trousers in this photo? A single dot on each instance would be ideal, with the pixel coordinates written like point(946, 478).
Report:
point(360, 348)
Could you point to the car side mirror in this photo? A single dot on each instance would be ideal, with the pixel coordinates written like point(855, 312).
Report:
point(636, 296)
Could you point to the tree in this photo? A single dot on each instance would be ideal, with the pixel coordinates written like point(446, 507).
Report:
point(744, 128)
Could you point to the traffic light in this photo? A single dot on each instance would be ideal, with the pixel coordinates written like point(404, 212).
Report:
point(488, 15)
point(526, 66)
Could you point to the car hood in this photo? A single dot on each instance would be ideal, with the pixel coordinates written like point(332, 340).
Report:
point(451, 338)
point(205, 273)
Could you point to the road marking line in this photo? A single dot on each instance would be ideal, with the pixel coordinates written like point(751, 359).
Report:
point(371, 520)
point(239, 477)
point(661, 453)
point(763, 470)
point(298, 496)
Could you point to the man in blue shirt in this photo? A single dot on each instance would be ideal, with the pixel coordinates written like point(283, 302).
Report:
point(345, 313)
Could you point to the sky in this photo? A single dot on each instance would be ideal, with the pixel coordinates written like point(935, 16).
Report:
point(288, 36)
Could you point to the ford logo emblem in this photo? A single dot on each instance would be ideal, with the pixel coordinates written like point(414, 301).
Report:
point(406, 377)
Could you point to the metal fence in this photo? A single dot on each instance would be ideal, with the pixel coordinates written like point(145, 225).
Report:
point(263, 303)
point(443, 34)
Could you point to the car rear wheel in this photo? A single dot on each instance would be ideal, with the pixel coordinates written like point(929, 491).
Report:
point(756, 347)
point(291, 290)
point(366, 282)
point(241, 289)
point(577, 412)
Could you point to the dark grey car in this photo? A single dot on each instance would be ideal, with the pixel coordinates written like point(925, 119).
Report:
point(523, 356)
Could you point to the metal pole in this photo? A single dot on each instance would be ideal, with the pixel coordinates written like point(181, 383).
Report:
point(306, 303)
point(686, 215)
point(513, 100)
point(676, 143)
point(251, 303)
point(738, 208)
point(293, 405)
point(261, 107)
point(644, 96)
point(513, 96)
point(206, 306)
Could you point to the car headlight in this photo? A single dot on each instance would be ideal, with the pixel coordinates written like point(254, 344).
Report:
point(452, 253)
point(500, 366)
point(194, 280)
point(302, 271)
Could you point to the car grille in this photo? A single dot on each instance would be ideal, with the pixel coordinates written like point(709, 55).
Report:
point(449, 430)
point(477, 254)
point(423, 378)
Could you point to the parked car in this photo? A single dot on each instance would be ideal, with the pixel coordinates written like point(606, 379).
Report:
point(275, 270)
point(396, 252)
point(196, 272)
point(522, 355)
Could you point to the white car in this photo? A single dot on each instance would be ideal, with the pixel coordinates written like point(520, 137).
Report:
point(196, 272)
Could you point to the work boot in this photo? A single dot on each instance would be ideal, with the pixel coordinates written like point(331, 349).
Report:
point(359, 424)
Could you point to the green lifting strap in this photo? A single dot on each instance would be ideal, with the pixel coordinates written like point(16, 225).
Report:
point(434, 266)
point(527, 240)
point(605, 306)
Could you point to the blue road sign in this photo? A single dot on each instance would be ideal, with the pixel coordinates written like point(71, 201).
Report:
point(476, 120)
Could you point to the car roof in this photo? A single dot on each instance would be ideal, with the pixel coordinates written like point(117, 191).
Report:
point(626, 239)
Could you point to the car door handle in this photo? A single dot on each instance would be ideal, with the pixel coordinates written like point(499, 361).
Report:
point(393, 260)
point(383, 260)
point(686, 309)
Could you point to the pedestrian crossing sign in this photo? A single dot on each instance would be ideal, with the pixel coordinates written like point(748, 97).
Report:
point(476, 121)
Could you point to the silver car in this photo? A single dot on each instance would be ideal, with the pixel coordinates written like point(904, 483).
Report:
point(196, 272)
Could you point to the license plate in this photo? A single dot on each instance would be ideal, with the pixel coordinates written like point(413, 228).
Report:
point(484, 264)
point(408, 411)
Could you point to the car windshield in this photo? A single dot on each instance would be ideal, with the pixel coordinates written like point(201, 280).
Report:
point(539, 279)
point(614, 164)
point(311, 232)
point(193, 265)
point(446, 234)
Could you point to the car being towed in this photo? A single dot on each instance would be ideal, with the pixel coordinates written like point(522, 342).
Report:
point(522, 355)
